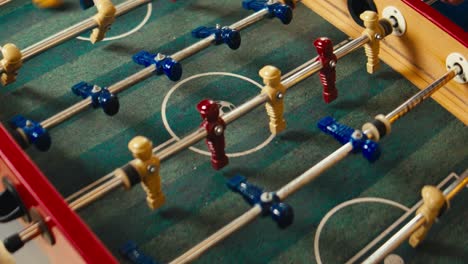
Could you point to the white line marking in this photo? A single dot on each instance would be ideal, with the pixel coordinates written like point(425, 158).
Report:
point(206, 153)
point(126, 34)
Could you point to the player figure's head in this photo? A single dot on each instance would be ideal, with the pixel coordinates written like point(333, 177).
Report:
point(141, 148)
point(11, 54)
point(432, 197)
point(208, 109)
point(271, 75)
point(324, 46)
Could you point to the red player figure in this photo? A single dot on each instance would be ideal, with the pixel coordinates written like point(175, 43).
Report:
point(214, 125)
point(328, 59)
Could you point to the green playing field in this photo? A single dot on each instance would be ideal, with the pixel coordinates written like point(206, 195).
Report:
point(424, 147)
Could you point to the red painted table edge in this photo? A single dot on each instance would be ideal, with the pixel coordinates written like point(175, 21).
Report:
point(439, 20)
point(35, 190)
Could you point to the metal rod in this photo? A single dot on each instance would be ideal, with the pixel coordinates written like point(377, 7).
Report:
point(255, 211)
point(89, 187)
point(109, 176)
point(34, 229)
point(253, 18)
point(200, 133)
point(307, 63)
point(315, 171)
point(4, 2)
point(95, 194)
point(400, 111)
point(148, 72)
point(396, 239)
point(193, 49)
point(184, 143)
point(104, 182)
point(351, 46)
point(206, 42)
point(68, 113)
point(295, 76)
point(30, 232)
point(73, 31)
point(384, 233)
point(395, 224)
point(456, 187)
point(417, 221)
point(282, 194)
point(86, 103)
point(305, 72)
point(416, 99)
point(215, 238)
point(132, 79)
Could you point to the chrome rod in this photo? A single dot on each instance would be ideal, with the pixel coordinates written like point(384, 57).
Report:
point(73, 31)
point(184, 143)
point(417, 221)
point(132, 79)
point(89, 187)
point(403, 234)
point(86, 103)
point(315, 171)
point(206, 42)
point(284, 192)
point(305, 72)
point(66, 114)
point(30, 232)
point(307, 63)
point(230, 117)
point(148, 72)
point(4, 2)
point(215, 238)
point(96, 193)
point(253, 18)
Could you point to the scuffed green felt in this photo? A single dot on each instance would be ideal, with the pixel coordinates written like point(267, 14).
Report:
point(423, 148)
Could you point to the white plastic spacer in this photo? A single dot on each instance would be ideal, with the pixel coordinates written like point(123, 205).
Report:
point(392, 13)
point(457, 59)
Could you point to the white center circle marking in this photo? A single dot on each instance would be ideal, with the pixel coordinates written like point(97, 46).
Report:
point(207, 153)
point(128, 33)
point(343, 205)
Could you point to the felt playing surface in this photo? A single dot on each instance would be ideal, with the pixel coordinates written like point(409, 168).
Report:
point(423, 148)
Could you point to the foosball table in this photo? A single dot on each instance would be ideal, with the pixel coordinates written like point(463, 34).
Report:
point(259, 131)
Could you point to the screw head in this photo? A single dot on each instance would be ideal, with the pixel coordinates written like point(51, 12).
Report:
point(266, 197)
point(96, 89)
point(160, 57)
point(218, 130)
point(151, 168)
point(357, 135)
point(280, 95)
